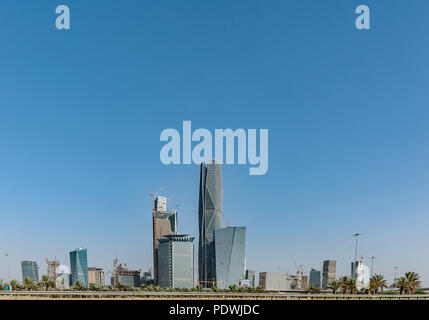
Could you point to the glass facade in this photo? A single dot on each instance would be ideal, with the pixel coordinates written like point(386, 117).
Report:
point(30, 270)
point(230, 246)
point(209, 219)
point(176, 262)
point(79, 266)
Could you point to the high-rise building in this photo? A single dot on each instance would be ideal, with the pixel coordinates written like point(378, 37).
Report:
point(251, 275)
point(273, 281)
point(230, 243)
point(96, 276)
point(209, 219)
point(30, 270)
point(51, 269)
point(79, 266)
point(329, 269)
point(164, 224)
point(176, 261)
point(353, 276)
point(314, 278)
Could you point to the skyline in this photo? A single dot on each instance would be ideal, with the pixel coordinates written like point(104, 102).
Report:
point(81, 113)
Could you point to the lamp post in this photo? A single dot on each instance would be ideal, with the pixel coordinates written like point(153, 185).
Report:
point(372, 265)
point(354, 264)
point(8, 267)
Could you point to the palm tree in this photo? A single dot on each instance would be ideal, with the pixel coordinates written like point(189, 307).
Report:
point(344, 284)
point(377, 282)
point(14, 284)
point(402, 284)
point(414, 282)
point(352, 285)
point(334, 285)
point(28, 283)
point(45, 282)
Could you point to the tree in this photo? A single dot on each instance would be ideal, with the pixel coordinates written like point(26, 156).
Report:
point(402, 284)
point(413, 282)
point(44, 283)
point(344, 284)
point(28, 283)
point(377, 282)
point(352, 286)
point(334, 285)
point(14, 284)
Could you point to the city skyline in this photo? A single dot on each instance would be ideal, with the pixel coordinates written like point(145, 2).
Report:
point(82, 110)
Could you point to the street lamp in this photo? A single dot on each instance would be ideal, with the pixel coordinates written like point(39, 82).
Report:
point(354, 264)
point(8, 268)
point(372, 265)
point(396, 270)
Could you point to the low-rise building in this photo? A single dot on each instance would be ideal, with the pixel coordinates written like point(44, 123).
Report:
point(273, 281)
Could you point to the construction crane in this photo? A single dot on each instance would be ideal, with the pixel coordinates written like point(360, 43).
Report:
point(299, 273)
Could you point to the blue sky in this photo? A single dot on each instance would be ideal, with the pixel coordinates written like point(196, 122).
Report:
point(81, 112)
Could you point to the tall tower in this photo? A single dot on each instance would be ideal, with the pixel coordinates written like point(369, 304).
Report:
point(209, 219)
point(164, 223)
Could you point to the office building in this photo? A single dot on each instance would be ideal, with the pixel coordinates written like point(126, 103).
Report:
point(126, 277)
point(30, 270)
point(273, 281)
point(251, 275)
point(329, 269)
point(176, 261)
point(79, 266)
point(96, 276)
point(164, 224)
point(209, 219)
point(314, 278)
point(230, 243)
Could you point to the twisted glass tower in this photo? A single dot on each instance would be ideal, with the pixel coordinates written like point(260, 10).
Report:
point(209, 219)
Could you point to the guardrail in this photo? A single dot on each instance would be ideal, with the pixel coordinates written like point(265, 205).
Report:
point(198, 295)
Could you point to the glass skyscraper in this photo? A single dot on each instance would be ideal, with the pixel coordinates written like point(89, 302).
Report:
point(230, 243)
point(210, 219)
point(176, 261)
point(79, 266)
point(30, 270)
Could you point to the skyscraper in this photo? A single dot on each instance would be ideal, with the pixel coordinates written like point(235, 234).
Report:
point(329, 269)
point(230, 245)
point(209, 219)
point(30, 270)
point(314, 278)
point(79, 266)
point(51, 269)
point(164, 224)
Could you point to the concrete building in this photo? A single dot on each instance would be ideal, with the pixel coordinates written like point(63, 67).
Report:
point(96, 276)
point(273, 281)
point(304, 282)
point(314, 278)
point(127, 277)
point(51, 269)
point(164, 224)
point(79, 266)
point(176, 261)
point(209, 219)
point(329, 269)
point(251, 275)
point(30, 270)
point(147, 277)
point(230, 244)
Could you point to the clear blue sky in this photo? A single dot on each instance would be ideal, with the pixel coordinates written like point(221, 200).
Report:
point(81, 112)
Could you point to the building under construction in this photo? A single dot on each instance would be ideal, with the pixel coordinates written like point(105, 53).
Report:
point(164, 224)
